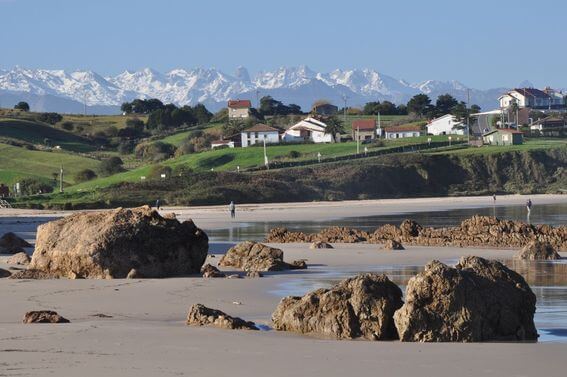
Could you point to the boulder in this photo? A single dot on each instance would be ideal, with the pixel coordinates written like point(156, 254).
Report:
point(358, 307)
point(12, 244)
point(254, 256)
point(410, 228)
point(210, 271)
point(110, 244)
point(19, 258)
point(393, 245)
point(300, 264)
point(478, 300)
point(254, 274)
point(200, 315)
point(320, 245)
point(133, 274)
point(537, 250)
point(5, 273)
point(44, 316)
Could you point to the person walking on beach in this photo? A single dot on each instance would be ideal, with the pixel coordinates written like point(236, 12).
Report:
point(494, 198)
point(157, 204)
point(529, 206)
point(232, 209)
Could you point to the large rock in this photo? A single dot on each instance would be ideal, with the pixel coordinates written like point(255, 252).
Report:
point(478, 300)
point(19, 258)
point(110, 244)
point(12, 244)
point(254, 256)
point(44, 316)
point(537, 250)
point(392, 245)
point(200, 315)
point(210, 271)
point(358, 307)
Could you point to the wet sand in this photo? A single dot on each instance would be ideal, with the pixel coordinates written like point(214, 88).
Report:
point(146, 334)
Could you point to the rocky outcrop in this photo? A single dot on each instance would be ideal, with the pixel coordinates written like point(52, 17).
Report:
point(475, 231)
point(110, 244)
point(537, 250)
point(32, 274)
point(19, 258)
point(478, 300)
point(254, 256)
point(393, 245)
point(210, 271)
point(320, 245)
point(200, 315)
point(12, 244)
point(44, 316)
point(358, 307)
point(254, 274)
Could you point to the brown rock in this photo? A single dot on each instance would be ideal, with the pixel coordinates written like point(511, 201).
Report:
point(300, 264)
point(320, 245)
point(358, 307)
point(44, 316)
point(254, 274)
point(537, 250)
point(133, 274)
point(200, 315)
point(254, 256)
point(393, 245)
point(12, 244)
point(19, 258)
point(210, 271)
point(478, 300)
point(110, 244)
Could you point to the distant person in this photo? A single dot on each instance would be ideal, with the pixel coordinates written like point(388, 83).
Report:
point(529, 205)
point(157, 204)
point(494, 198)
point(232, 209)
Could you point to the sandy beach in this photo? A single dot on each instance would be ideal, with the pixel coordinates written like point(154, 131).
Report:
point(143, 331)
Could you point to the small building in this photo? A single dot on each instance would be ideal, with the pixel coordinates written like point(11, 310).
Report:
point(402, 131)
point(503, 136)
point(222, 144)
point(552, 126)
point(325, 109)
point(365, 129)
point(258, 133)
point(309, 129)
point(446, 125)
point(239, 109)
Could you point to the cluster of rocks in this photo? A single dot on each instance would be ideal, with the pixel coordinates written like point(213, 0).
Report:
point(118, 244)
point(477, 300)
point(12, 244)
point(254, 256)
point(200, 315)
point(536, 250)
point(475, 231)
point(44, 316)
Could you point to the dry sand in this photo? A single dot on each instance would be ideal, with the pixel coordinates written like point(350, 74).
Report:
point(146, 335)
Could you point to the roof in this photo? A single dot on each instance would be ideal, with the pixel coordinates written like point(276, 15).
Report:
point(240, 104)
point(261, 128)
point(408, 127)
point(309, 123)
point(364, 124)
point(222, 142)
point(441, 117)
point(531, 92)
point(504, 130)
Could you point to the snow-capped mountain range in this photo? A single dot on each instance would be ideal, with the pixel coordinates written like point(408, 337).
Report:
point(58, 90)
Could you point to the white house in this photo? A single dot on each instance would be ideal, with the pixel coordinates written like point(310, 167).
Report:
point(446, 125)
point(222, 143)
point(258, 133)
point(309, 129)
point(401, 132)
point(239, 109)
point(532, 98)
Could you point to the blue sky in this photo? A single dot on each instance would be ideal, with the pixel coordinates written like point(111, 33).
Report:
point(481, 43)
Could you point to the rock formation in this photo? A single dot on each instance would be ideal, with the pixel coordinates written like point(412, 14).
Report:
point(19, 258)
point(210, 271)
point(44, 316)
point(392, 245)
point(110, 244)
point(537, 250)
point(31, 274)
point(478, 300)
point(254, 256)
point(200, 315)
point(12, 244)
point(4, 273)
point(358, 307)
point(320, 245)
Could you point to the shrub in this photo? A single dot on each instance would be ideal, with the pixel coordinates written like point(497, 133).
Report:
point(157, 170)
point(33, 186)
point(50, 118)
point(69, 126)
point(125, 147)
point(156, 151)
point(181, 171)
point(186, 147)
point(111, 166)
point(294, 154)
point(85, 175)
point(24, 106)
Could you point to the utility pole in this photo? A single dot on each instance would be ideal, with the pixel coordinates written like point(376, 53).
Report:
point(468, 116)
point(357, 140)
point(257, 99)
point(61, 179)
point(85, 102)
point(344, 108)
point(266, 162)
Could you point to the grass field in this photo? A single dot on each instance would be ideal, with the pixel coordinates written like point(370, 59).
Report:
point(529, 144)
point(17, 163)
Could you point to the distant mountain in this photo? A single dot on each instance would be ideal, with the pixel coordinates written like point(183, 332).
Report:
point(58, 90)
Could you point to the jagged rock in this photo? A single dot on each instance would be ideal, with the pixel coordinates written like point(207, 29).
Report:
point(410, 228)
point(254, 274)
point(358, 307)
point(393, 245)
point(44, 316)
point(200, 315)
point(5, 273)
point(300, 264)
point(320, 245)
point(254, 256)
point(19, 258)
point(133, 274)
point(210, 271)
point(12, 244)
point(478, 300)
point(110, 244)
point(32, 274)
point(537, 250)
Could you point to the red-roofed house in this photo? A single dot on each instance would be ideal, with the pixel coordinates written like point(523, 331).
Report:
point(503, 136)
point(365, 129)
point(239, 109)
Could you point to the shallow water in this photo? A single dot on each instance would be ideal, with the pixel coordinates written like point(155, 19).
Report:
point(552, 214)
point(548, 280)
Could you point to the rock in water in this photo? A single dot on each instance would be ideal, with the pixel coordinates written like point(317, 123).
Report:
point(358, 307)
point(200, 315)
point(537, 250)
point(320, 245)
point(19, 258)
point(210, 271)
point(110, 244)
point(478, 300)
point(393, 245)
point(12, 244)
point(254, 256)
point(44, 316)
